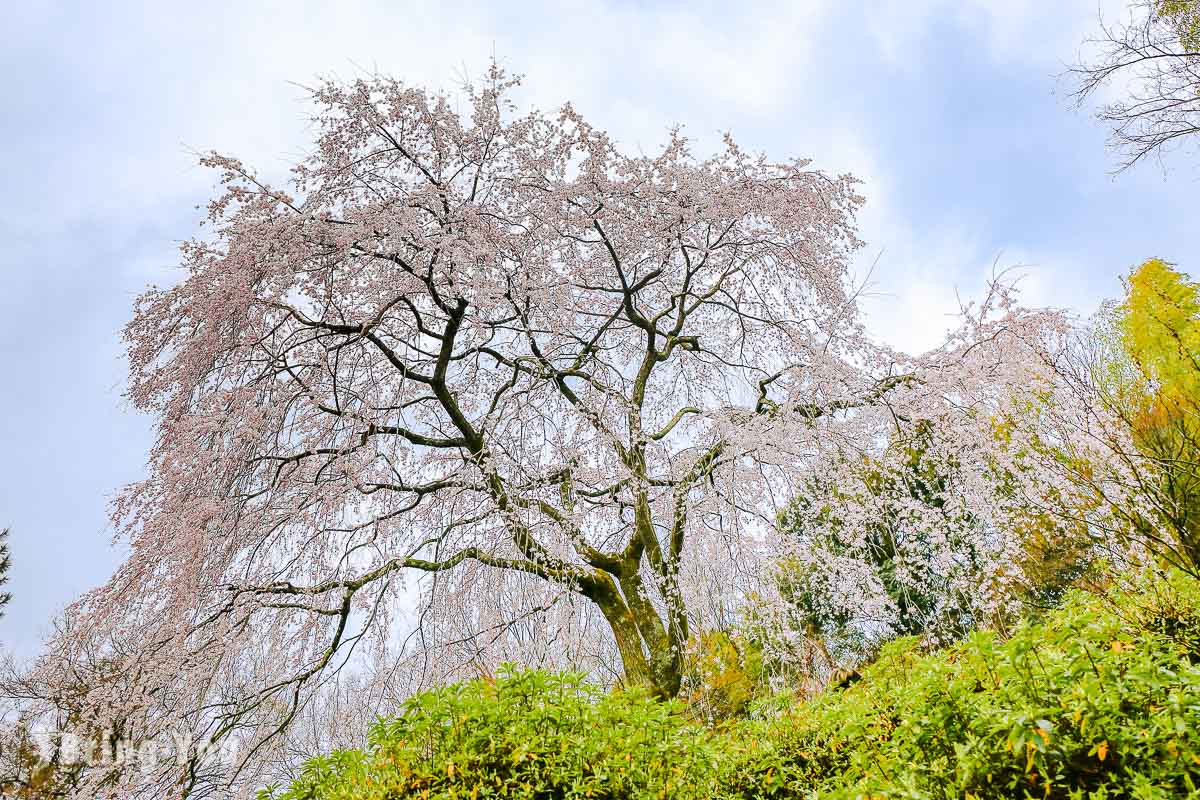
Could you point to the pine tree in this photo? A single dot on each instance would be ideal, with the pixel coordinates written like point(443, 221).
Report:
point(5, 563)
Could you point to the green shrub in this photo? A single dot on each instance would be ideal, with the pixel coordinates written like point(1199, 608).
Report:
point(1098, 701)
point(523, 735)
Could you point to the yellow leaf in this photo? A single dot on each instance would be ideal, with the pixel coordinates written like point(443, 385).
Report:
point(1102, 750)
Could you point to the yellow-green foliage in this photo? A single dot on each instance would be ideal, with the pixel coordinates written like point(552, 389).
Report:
point(1159, 328)
point(1160, 325)
point(723, 675)
point(1184, 17)
point(1101, 700)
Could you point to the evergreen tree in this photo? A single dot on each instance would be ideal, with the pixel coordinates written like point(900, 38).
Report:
point(5, 563)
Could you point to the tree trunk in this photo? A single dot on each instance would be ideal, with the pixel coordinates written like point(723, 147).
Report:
point(647, 655)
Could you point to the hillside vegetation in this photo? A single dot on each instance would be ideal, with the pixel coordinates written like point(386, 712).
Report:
point(1099, 699)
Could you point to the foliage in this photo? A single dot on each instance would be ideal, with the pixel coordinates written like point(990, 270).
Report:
point(1160, 327)
point(1099, 699)
point(1149, 381)
point(725, 672)
point(1184, 17)
point(523, 735)
point(1115, 436)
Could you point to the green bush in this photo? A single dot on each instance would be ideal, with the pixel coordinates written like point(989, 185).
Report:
point(523, 735)
point(1100, 700)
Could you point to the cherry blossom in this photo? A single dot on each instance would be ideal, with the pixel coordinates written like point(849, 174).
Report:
point(480, 386)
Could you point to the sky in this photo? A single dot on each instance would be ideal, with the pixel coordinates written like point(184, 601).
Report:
point(950, 112)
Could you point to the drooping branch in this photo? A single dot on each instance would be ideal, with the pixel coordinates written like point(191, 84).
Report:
point(488, 351)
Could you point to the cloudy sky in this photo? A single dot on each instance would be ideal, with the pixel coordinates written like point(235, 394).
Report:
point(949, 112)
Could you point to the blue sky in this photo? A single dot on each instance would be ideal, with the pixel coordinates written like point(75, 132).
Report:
point(946, 110)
